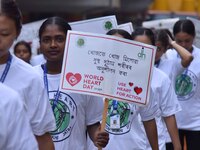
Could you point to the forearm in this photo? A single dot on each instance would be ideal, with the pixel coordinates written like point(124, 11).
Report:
point(151, 132)
point(173, 131)
point(186, 56)
point(45, 142)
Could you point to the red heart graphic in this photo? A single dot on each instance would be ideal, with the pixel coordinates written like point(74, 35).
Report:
point(130, 84)
point(137, 90)
point(73, 79)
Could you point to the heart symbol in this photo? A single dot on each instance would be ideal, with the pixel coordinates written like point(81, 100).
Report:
point(137, 90)
point(130, 84)
point(73, 79)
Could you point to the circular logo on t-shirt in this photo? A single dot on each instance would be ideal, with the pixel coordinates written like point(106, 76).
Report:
point(125, 113)
point(186, 85)
point(65, 112)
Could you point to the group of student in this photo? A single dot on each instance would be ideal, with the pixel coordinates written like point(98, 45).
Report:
point(27, 119)
point(34, 114)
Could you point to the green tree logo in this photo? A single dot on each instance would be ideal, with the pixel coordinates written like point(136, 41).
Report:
point(108, 25)
point(125, 112)
point(186, 85)
point(65, 112)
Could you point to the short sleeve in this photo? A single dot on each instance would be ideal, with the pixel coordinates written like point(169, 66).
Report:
point(169, 104)
point(41, 115)
point(151, 110)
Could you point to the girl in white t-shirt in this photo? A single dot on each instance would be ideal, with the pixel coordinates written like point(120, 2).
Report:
point(172, 67)
point(187, 86)
point(129, 133)
point(74, 113)
point(21, 77)
point(130, 129)
point(15, 133)
point(166, 98)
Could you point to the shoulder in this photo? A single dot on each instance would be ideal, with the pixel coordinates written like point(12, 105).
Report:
point(171, 54)
point(7, 90)
point(159, 78)
point(159, 73)
point(37, 60)
point(196, 52)
point(38, 69)
point(24, 69)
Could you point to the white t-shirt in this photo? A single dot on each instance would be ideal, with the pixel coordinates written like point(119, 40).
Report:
point(187, 89)
point(164, 94)
point(172, 67)
point(37, 60)
point(15, 131)
point(130, 135)
point(73, 112)
point(28, 83)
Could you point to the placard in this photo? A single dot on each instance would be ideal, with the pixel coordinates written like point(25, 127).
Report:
point(96, 25)
point(107, 66)
point(127, 27)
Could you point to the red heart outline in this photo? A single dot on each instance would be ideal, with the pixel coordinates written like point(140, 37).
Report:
point(138, 90)
point(130, 84)
point(73, 79)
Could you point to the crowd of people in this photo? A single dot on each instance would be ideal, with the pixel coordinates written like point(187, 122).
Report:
point(35, 114)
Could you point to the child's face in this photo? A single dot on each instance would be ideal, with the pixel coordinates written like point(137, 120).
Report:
point(8, 34)
point(23, 53)
point(52, 43)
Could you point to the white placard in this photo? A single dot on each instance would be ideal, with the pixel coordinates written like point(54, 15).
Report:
point(127, 27)
point(197, 30)
point(97, 25)
point(107, 66)
point(167, 23)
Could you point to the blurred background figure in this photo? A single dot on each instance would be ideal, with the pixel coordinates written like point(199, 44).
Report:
point(22, 50)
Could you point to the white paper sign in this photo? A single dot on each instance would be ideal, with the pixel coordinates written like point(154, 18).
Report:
point(97, 25)
point(107, 66)
point(127, 27)
point(197, 29)
point(161, 23)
